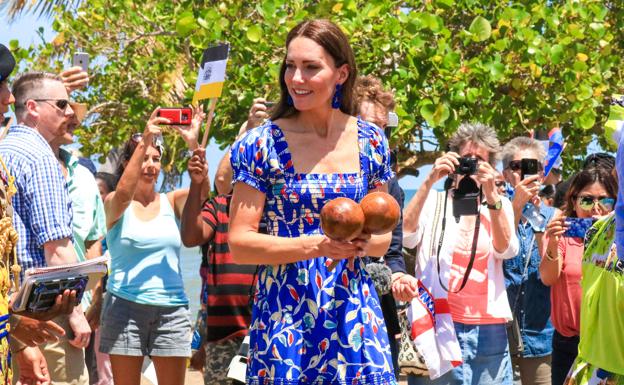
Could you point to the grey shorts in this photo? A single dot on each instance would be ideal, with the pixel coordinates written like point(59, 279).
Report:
point(133, 329)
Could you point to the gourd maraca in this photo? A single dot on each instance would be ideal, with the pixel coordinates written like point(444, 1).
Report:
point(340, 220)
point(382, 213)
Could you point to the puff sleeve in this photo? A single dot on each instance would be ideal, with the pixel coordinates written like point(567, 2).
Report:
point(250, 158)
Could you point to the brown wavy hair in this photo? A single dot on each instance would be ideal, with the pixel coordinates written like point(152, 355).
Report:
point(329, 36)
point(369, 88)
point(585, 178)
point(126, 153)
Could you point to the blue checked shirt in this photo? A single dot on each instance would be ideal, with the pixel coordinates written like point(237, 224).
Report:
point(42, 209)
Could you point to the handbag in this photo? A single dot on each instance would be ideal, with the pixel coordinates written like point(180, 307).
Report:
point(516, 346)
point(514, 334)
point(410, 360)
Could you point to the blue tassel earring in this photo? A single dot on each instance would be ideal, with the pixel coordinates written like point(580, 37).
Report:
point(337, 99)
point(289, 101)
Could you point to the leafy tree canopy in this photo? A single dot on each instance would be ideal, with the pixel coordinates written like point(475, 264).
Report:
point(517, 66)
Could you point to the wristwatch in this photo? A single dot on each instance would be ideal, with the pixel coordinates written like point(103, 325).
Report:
point(496, 206)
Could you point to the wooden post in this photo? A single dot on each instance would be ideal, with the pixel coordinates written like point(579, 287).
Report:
point(211, 108)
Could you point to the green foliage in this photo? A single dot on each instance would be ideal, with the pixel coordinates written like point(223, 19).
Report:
point(518, 66)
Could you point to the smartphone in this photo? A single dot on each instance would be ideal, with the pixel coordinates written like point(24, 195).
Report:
point(528, 167)
point(577, 227)
point(177, 115)
point(81, 59)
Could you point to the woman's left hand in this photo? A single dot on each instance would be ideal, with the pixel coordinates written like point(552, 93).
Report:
point(405, 287)
point(190, 133)
point(197, 166)
point(362, 242)
point(486, 176)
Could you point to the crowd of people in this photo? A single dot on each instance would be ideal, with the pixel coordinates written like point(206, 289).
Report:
point(515, 276)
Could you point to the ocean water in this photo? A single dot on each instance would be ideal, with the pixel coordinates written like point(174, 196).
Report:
point(190, 259)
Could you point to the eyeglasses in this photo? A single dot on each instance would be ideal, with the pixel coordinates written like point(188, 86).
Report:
point(61, 104)
point(587, 202)
point(516, 165)
point(500, 183)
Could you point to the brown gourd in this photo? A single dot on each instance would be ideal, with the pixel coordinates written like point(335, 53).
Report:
point(344, 220)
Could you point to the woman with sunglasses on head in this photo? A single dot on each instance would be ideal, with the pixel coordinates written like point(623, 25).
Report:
point(145, 311)
point(591, 194)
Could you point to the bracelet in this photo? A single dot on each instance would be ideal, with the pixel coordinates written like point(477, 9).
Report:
point(398, 278)
point(550, 258)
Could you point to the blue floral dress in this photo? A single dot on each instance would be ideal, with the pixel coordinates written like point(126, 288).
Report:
point(309, 325)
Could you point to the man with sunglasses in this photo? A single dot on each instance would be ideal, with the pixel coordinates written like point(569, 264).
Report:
point(43, 212)
point(528, 296)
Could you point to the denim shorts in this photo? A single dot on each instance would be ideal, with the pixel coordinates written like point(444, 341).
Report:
point(132, 329)
point(486, 358)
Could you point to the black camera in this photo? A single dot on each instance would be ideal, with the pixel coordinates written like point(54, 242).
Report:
point(467, 166)
point(466, 198)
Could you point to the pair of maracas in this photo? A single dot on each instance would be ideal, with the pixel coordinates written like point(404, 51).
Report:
point(343, 219)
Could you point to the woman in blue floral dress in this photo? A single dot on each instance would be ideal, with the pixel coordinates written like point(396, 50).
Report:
point(311, 325)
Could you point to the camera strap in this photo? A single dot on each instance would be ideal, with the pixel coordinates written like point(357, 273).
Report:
point(473, 251)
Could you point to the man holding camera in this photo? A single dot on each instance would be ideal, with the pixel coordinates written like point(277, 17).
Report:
point(463, 234)
point(531, 332)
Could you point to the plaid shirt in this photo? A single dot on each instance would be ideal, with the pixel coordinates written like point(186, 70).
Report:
point(42, 209)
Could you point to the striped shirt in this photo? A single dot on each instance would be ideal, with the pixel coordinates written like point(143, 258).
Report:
point(42, 209)
point(227, 284)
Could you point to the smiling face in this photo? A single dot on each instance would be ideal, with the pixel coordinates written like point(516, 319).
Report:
point(150, 169)
point(311, 75)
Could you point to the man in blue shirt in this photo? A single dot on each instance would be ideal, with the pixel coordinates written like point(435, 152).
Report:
point(42, 209)
point(529, 298)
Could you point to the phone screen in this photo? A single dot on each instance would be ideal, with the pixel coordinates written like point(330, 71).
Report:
point(577, 227)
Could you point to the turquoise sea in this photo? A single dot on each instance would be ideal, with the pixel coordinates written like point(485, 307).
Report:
point(191, 258)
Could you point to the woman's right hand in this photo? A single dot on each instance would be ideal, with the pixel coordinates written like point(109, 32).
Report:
point(257, 113)
point(444, 165)
point(526, 190)
point(554, 230)
point(152, 128)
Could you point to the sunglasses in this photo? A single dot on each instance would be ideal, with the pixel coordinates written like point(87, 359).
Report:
point(516, 165)
point(588, 202)
point(500, 183)
point(61, 104)
point(159, 142)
